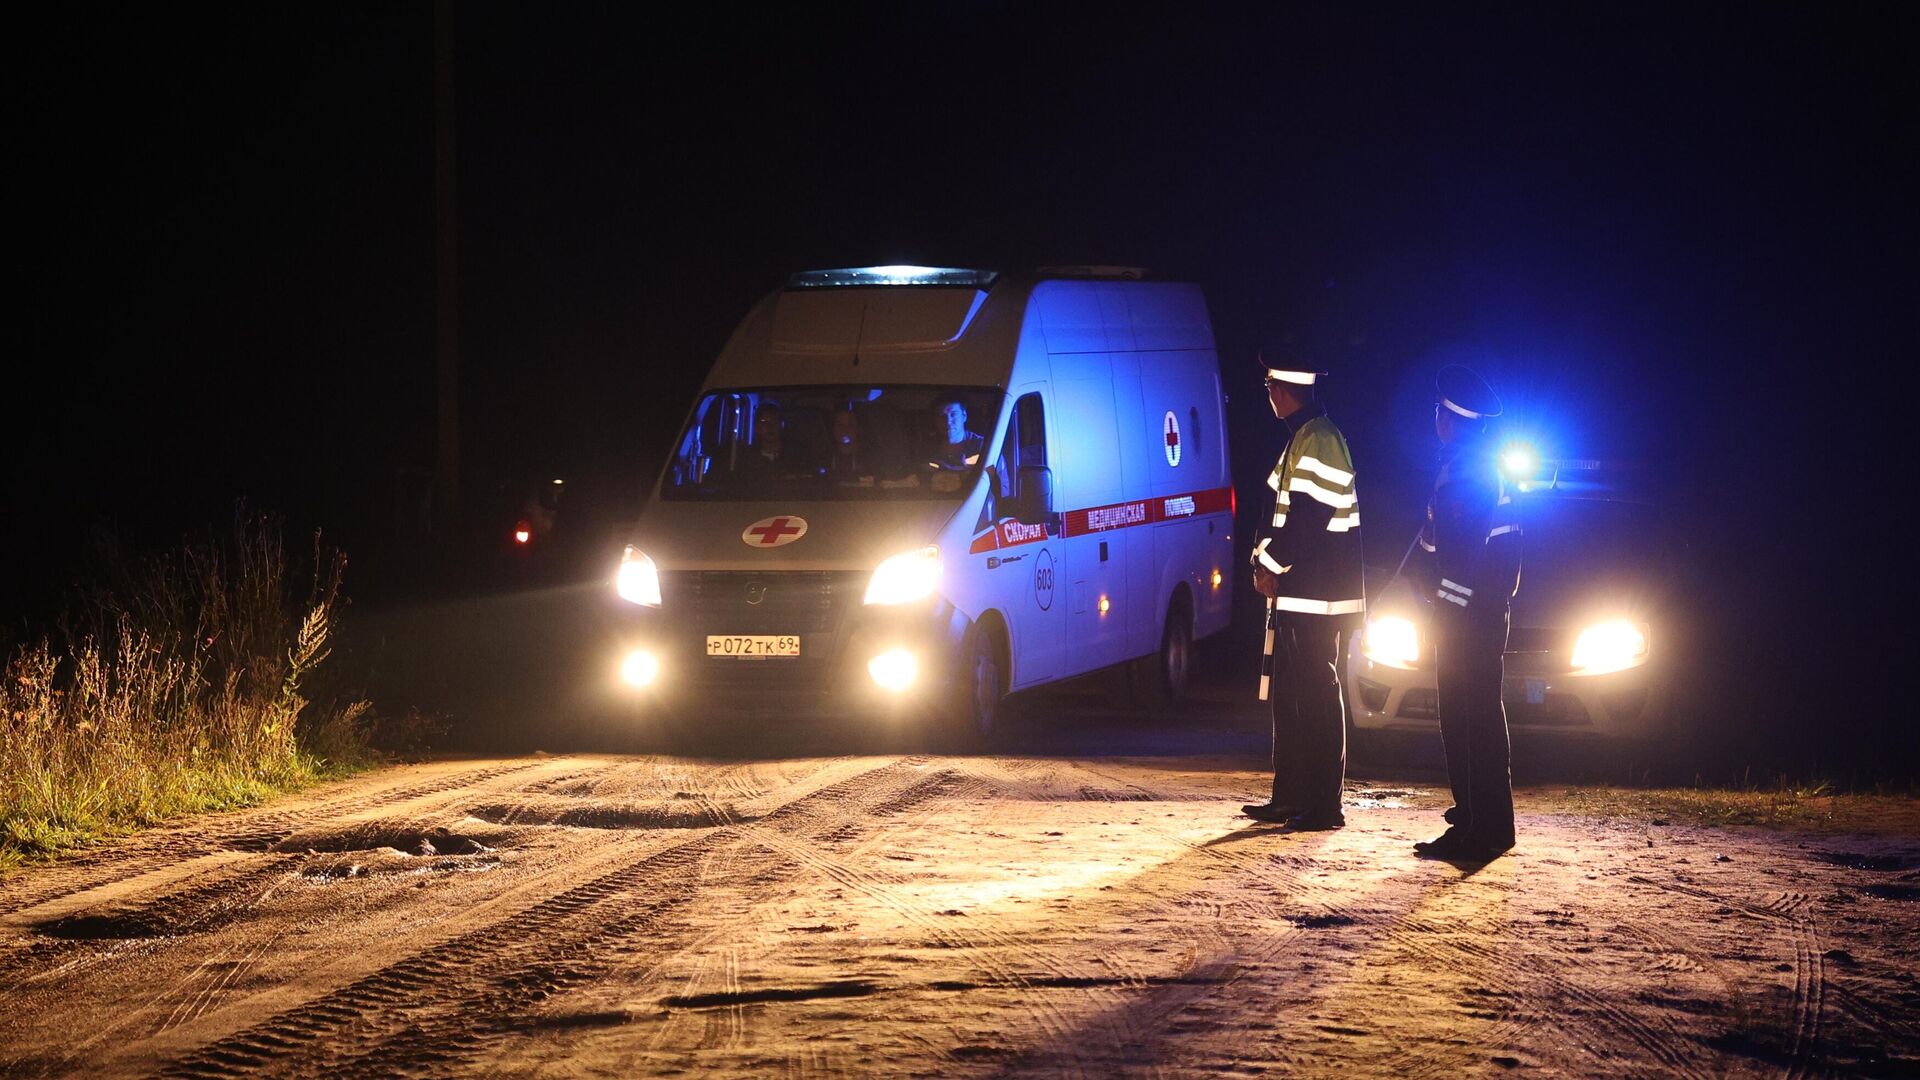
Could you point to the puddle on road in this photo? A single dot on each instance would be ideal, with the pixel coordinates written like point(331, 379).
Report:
point(370, 849)
point(1883, 862)
point(98, 926)
point(322, 869)
point(405, 838)
point(1378, 799)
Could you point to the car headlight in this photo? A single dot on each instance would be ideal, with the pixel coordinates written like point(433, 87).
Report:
point(906, 577)
point(1609, 646)
point(1391, 640)
point(638, 580)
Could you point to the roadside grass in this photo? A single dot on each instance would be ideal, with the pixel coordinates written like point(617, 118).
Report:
point(1808, 807)
point(177, 685)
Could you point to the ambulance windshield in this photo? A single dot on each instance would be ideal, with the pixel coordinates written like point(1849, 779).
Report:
point(834, 442)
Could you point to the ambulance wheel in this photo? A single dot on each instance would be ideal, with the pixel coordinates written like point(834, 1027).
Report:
point(1161, 678)
point(979, 689)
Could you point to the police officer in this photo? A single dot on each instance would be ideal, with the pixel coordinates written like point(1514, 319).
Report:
point(1307, 563)
point(1469, 567)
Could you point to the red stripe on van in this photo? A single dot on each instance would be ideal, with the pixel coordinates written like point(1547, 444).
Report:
point(1109, 517)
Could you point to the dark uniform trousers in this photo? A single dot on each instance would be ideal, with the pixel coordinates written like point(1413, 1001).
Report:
point(1309, 719)
point(1473, 721)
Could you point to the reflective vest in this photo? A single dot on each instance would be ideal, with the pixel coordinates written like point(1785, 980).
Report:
point(1313, 539)
point(1470, 544)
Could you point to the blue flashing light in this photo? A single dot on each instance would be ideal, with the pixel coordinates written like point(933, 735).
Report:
point(940, 276)
point(1519, 461)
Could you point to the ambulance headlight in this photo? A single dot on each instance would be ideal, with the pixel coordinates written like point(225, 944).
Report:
point(638, 580)
point(1608, 647)
point(1391, 640)
point(908, 576)
point(894, 669)
point(640, 668)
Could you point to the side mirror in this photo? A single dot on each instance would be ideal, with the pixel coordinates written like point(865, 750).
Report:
point(1032, 502)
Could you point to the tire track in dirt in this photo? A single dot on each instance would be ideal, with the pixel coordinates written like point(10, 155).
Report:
point(852, 840)
point(276, 829)
point(1132, 1021)
point(1272, 937)
point(1890, 1029)
point(1655, 1041)
point(1149, 1019)
point(174, 919)
point(723, 1020)
point(1809, 960)
point(1679, 955)
point(1658, 1043)
point(979, 941)
point(456, 1036)
point(1445, 949)
point(980, 777)
point(68, 945)
point(1120, 981)
point(246, 830)
point(195, 1002)
point(450, 1001)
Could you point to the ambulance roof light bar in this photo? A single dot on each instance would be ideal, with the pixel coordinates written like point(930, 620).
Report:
point(858, 276)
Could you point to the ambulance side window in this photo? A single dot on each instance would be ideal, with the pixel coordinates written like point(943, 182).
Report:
point(695, 455)
point(1030, 424)
point(1026, 443)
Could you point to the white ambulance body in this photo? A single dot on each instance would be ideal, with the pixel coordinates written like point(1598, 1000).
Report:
point(1076, 515)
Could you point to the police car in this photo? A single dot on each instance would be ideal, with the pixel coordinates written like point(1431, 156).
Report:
point(914, 490)
point(1595, 634)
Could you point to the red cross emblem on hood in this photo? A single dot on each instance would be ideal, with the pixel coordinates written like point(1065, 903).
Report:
point(774, 531)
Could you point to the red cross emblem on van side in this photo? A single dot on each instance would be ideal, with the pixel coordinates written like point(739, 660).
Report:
point(1171, 426)
point(774, 531)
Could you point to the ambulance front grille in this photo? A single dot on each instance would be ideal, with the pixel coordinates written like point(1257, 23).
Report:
point(748, 602)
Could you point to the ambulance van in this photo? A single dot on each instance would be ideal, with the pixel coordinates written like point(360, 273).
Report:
point(911, 491)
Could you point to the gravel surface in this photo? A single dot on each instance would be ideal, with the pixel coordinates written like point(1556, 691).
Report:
point(902, 914)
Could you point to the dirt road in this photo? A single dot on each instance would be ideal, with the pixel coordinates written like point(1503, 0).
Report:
point(943, 916)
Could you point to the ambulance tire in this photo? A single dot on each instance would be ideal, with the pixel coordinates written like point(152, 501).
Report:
point(979, 692)
point(1160, 678)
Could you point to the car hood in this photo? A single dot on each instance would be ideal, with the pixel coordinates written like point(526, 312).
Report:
point(1580, 603)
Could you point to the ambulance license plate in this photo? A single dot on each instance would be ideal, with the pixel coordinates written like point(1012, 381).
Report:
point(753, 646)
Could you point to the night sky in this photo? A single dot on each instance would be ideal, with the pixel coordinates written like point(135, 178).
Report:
point(1679, 239)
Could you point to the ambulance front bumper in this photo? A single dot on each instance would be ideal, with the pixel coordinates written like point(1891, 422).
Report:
point(834, 655)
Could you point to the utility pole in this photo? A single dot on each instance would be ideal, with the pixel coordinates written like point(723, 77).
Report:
point(446, 470)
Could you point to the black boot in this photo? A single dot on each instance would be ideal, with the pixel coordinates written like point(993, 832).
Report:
point(1457, 845)
point(1277, 813)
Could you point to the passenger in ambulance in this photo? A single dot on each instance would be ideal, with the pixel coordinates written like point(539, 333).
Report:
point(769, 457)
point(849, 461)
